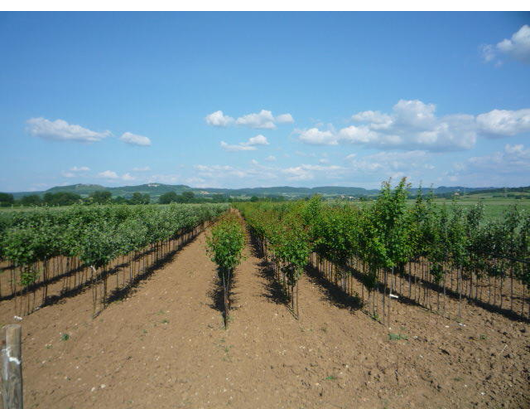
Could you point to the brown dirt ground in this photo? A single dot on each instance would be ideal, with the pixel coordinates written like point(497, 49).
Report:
point(164, 346)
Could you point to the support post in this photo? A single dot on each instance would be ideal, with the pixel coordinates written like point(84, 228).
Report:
point(11, 359)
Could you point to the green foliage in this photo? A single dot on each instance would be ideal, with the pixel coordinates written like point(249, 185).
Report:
point(101, 197)
point(389, 234)
point(6, 199)
point(94, 234)
point(225, 245)
point(169, 197)
point(31, 200)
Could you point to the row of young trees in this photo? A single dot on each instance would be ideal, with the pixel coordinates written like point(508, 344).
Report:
point(225, 247)
point(42, 245)
point(283, 237)
point(389, 242)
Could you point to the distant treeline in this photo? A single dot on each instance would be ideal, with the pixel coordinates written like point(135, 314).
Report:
point(105, 197)
point(515, 192)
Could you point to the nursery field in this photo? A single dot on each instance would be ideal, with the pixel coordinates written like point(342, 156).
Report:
point(294, 305)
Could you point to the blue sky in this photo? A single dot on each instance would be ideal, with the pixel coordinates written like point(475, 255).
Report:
point(264, 99)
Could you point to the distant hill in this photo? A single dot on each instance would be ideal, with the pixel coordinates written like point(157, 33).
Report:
point(155, 190)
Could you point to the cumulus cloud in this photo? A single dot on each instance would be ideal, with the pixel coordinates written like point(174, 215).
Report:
point(263, 119)
point(376, 119)
point(219, 171)
point(511, 166)
point(285, 119)
point(259, 140)
point(413, 125)
point(218, 119)
point(270, 158)
point(75, 172)
point(113, 176)
point(316, 136)
point(501, 123)
point(164, 178)
point(236, 147)
point(514, 158)
point(128, 177)
point(108, 175)
point(259, 173)
point(389, 162)
point(135, 139)
point(60, 130)
point(516, 48)
point(307, 172)
point(80, 169)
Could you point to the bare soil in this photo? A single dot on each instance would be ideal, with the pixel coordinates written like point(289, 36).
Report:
point(164, 346)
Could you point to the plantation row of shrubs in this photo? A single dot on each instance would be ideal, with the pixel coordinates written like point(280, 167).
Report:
point(93, 236)
point(388, 235)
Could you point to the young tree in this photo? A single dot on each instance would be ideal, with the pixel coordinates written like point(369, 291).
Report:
point(101, 197)
point(169, 197)
point(31, 200)
point(225, 246)
point(6, 199)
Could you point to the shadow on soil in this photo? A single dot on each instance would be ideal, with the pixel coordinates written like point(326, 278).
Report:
point(216, 294)
point(273, 290)
point(332, 293)
point(120, 292)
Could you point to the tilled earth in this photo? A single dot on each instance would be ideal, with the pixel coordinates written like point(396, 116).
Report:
point(165, 346)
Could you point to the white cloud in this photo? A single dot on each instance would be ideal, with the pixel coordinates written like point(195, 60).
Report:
point(376, 119)
point(135, 139)
point(390, 161)
point(76, 172)
point(307, 172)
point(257, 140)
point(517, 47)
point(60, 130)
point(514, 158)
point(270, 158)
point(236, 147)
point(263, 119)
point(80, 169)
point(218, 119)
point(128, 177)
point(358, 134)
point(108, 175)
point(251, 144)
point(219, 171)
point(413, 125)
point(511, 166)
point(284, 119)
point(164, 178)
point(501, 123)
point(316, 136)
point(414, 113)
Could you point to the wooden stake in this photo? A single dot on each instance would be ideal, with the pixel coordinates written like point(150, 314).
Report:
point(12, 367)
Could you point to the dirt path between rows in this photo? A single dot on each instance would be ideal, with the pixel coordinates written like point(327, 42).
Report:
point(165, 347)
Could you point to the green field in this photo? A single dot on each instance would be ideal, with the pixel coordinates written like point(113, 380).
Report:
point(494, 208)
